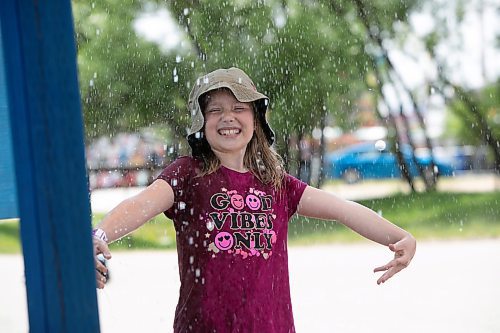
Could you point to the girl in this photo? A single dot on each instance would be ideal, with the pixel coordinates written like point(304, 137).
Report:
point(230, 203)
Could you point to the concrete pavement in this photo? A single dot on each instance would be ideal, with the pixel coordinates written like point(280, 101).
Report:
point(451, 286)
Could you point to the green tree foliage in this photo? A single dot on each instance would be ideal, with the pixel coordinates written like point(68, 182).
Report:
point(487, 102)
point(126, 83)
point(309, 57)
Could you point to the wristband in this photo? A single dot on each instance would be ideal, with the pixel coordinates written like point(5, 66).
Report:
point(100, 234)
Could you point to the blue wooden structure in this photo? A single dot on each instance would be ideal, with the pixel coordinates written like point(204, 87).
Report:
point(43, 102)
point(8, 201)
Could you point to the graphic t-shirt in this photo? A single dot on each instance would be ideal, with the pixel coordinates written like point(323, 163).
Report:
point(232, 249)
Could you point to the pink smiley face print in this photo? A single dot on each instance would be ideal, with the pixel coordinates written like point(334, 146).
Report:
point(224, 241)
point(252, 202)
point(237, 201)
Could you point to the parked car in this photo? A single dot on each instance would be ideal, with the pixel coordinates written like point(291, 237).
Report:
point(375, 160)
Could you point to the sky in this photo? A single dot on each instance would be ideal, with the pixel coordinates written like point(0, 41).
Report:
point(159, 27)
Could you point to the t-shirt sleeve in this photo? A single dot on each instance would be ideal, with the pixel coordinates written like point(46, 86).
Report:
point(294, 188)
point(178, 175)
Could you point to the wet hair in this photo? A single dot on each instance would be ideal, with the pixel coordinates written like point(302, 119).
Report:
point(260, 158)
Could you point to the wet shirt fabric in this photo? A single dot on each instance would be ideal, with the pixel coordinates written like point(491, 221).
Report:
point(232, 249)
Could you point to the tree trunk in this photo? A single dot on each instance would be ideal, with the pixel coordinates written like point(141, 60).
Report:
point(484, 128)
point(405, 171)
point(321, 176)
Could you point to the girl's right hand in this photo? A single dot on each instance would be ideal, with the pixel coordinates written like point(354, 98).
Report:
point(404, 250)
point(100, 247)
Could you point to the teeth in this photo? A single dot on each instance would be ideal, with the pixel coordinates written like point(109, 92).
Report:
point(229, 131)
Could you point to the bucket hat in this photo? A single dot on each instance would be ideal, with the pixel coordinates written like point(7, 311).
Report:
point(243, 89)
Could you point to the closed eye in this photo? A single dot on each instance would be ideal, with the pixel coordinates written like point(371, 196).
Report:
point(213, 110)
point(240, 108)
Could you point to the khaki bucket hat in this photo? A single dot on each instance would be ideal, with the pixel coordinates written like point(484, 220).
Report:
point(242, 88)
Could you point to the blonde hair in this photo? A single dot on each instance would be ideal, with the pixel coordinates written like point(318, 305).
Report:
point(260, 158)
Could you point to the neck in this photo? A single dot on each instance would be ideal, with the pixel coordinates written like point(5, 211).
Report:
point(232, 161)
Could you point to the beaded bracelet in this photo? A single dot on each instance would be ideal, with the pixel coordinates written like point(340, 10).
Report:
point(100, 234)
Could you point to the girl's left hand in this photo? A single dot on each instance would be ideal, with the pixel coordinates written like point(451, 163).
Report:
point(404, 250)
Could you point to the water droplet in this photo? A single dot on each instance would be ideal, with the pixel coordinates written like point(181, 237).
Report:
point(380, 145)
point(210, 225)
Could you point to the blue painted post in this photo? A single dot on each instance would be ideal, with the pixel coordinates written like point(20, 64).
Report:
point(8, 201)
point(47, 135)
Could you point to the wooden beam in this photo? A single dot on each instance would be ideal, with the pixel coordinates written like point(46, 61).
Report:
point(47, 134)
point(8, 194)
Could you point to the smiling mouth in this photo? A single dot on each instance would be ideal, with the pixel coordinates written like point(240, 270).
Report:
point(227, 132)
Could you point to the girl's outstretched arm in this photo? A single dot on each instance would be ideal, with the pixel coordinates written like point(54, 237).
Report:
point(133, 212)
point(129, 215)
point(327, 206)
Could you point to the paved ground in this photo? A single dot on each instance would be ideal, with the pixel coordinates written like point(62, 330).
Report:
point(451, 286)
point(466, 183)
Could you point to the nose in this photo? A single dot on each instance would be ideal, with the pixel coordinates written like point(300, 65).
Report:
point(227, 116)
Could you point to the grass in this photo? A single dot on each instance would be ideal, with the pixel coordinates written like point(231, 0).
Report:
point(9, 236)
point(438, 215)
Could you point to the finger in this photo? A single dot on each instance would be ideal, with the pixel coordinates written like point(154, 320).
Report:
point(100, 280)
point(406, 244)
point(399, 247)
point(380, 269)
point(383, 278)
point(105, 251)
point(101, 247)
point(387, 275)
point(99, 265)
point(100, 284)
point(390, 264)
point(100, 277)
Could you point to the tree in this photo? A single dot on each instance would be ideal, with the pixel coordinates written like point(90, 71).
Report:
point(305, 56)
point(126, 83)
point(310, 58)
point(477, 107)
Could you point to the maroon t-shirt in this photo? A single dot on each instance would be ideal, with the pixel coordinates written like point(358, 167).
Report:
point(232, 247)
